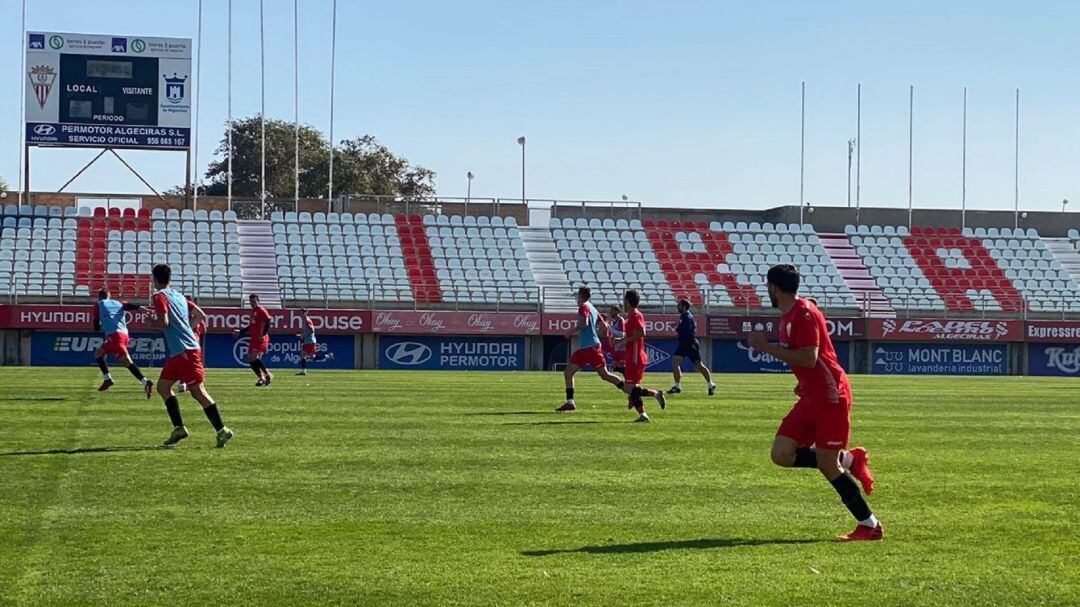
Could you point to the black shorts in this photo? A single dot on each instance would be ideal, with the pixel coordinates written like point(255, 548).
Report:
point(689, 351)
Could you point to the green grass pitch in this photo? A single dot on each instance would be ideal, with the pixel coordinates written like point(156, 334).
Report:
point(401, 488)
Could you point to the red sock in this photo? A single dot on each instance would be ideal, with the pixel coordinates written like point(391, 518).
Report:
point(640, 409)
point(648, 392)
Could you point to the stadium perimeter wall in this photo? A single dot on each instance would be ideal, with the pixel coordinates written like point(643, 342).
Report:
point(43, 335)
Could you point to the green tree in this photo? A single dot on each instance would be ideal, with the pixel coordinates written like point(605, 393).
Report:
point(3, 185)
point(362, 166)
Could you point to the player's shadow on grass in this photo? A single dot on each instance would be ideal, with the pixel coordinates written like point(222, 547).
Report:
point(33, 399)
point(84, 450)
point(566, 423)
point(499, 413)
point(699, 544)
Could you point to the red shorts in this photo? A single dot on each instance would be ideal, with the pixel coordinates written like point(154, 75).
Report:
point(589, 357)
point(633, 373)
point(186, 368)
point(260, 345)
point(116, 344)
point(818, 422)
point(309, 349)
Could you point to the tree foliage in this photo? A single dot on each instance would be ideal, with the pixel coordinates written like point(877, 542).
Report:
point(362, 166)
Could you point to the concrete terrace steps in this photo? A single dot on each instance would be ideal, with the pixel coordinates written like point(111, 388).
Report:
point(258, 264)
point(856, 275)
point(547, 268)
point(1066, 253)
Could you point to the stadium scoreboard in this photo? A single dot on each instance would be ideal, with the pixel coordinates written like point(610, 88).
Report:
point(108, 91)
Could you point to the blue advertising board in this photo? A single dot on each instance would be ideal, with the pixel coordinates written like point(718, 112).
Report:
point(1062, 360)
point(222, 350)
point(730, 356)
point(69, 349)
point(940, 359)
point(659, 353)
point(452, 353)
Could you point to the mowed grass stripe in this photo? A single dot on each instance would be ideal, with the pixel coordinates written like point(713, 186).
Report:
point(465, 489)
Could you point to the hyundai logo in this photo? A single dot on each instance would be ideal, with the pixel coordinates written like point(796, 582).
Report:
point(44, 129)
point(408, 353)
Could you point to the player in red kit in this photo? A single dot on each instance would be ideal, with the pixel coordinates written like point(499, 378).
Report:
point(199, 329)
point(258, 329)
point(815, 433)
point(616, 328)
point(636, 359)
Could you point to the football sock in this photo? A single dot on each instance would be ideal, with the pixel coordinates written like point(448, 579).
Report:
point(320, 357)
point(846, 459)
point(104, 367)
point(620, 384)
point(648, 392)
point(134, 369)
point(870, 522)
point(640, 408)
point(851, 496)
point(214, 416)
point(303, 363)
point(255, 367)
point(805, 458)
point(262, 366)
point(569, 395)
point(172, 405)
point(678, 385)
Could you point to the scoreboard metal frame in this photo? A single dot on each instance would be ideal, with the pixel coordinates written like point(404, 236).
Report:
point(107, 91)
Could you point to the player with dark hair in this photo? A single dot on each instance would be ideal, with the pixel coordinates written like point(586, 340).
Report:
point(258, 330)
point(309, 344)
point(636, 358)
point(185, 362)
point(110, 318)
point(616, 324)
point(688, 348)
point(815, 433)
point(589, 352)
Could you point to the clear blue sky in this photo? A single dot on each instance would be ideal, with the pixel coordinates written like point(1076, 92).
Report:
point(672, 103)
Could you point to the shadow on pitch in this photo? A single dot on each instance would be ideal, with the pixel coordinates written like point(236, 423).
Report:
point(487, 413)
point(84, 450)
point(33, 400)
point(700, 544)
point(569, 423)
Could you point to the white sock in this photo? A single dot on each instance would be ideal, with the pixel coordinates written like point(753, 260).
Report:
point(870, 522)
point(144, 381)
point(678, 384)
point(846, 458)
point(108, 376)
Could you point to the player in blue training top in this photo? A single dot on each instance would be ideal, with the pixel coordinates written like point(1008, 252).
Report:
point(309, 345)
point(110, 319)
point(589, 352)
point(688, 348)
point(185, 362)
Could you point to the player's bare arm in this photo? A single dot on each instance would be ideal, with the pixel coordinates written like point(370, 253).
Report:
point(197, 315)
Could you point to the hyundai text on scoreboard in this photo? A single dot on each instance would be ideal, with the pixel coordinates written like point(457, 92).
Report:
point(108, 91)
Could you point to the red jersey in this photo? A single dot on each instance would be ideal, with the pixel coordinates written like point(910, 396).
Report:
point(199, 329)
point(259, 318)
point(635, 350)
point(616, 329)
point(804, 326)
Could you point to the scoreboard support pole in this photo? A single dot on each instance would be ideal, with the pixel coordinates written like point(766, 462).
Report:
point(26, 175)
point(187, 180)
